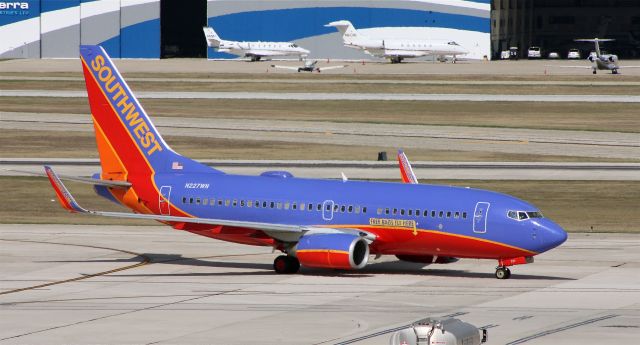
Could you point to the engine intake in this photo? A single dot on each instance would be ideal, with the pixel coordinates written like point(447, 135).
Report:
point(337, 251)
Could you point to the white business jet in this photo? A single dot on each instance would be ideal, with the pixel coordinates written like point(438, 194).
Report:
point(396, 49)
point(253, 50)
point(599, 61)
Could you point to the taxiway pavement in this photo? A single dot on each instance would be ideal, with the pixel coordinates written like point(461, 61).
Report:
point(345, 96)
point(462, 138)
point(366, 169)
point(123, 285)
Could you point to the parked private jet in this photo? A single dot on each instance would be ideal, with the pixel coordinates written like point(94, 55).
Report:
point(309, 66)
point(253, 50)
point(599, 61)
point(396, 49)
point(330, 224)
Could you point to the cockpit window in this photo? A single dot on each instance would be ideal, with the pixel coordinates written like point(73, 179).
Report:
point(294, 45)
point(523, 215)
point(535, 214)
point(453, 43)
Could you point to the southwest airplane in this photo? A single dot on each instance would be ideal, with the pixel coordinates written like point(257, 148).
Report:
point(332, 224)
point(396, 49)
point(253, 50)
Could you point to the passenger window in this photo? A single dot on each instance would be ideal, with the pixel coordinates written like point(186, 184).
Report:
point(250, 203)
point(319, 207)
point(227, 202)
point(425, 213)
point(219, 202)
point(184, 199)
point(343, 208)
point(295, 206)
point(395, 211)
point(328, 207)
point(279, 206)
point(386, 211)
point(440, 214)
point(264, 204)
point(350, 209)
point(410, 213)
point(357, 209)
point(197, 201)
point(212, 202)
point(241, 203)
point(364, 209)
point(379, 211)
point(433, 214)
point(336, 207)
point(402, 211)
point(235, 203)
point(273, 204)
point(205, 201)
point(286, 205)
point(191, 200)
point(448, 214)
point(457, 215)
point(464, 215)
point(417, 213)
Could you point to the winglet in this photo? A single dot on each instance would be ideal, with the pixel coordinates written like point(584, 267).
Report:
point(406, 172)
point(64, 196)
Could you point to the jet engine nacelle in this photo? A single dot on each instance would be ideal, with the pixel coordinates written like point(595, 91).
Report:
point(591, 58)
point(337, 251)
point(427, 259)
point(613, 58)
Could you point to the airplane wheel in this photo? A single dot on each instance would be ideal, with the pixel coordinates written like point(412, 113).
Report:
point(615, 71)
point(503, 273)
point(284, 264)
point(594, 72)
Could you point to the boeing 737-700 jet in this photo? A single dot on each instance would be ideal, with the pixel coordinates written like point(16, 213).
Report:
point(333, 224)
point(253, 50)
point(396, 49)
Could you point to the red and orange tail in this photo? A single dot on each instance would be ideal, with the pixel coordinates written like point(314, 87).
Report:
point(128, 142)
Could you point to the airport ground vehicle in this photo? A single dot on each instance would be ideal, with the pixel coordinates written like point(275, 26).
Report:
point(534, 53)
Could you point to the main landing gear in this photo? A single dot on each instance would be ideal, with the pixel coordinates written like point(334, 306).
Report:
point(503, 273)
point(285, 264)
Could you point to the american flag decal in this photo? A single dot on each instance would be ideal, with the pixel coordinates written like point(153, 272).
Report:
point(176, 166)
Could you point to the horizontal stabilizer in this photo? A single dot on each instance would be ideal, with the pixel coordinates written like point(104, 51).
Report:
point(87, 180)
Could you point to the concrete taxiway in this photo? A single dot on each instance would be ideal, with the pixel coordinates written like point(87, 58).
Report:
point(366, 169)
point(508, 140)
point(326, 96)
point(114, 284)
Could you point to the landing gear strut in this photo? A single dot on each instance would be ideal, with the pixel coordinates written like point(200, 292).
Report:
point(503, 273)
point(285, 264)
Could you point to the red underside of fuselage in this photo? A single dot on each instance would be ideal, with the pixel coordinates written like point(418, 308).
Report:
point(389, 242)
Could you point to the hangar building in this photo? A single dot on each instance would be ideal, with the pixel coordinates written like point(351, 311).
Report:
point(173, 28)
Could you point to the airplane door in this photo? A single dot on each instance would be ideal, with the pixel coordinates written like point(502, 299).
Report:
point(480, 217)
point(164, 200)
point(327, 210)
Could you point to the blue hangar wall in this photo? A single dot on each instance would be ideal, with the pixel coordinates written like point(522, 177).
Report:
point(302, 21)
point(55, 28)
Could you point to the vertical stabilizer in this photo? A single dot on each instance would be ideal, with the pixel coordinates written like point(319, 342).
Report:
point(213, 40)
point(348, 31)
point(128, 142)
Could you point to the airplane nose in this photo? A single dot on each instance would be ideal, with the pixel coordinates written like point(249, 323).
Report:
point(553, 234)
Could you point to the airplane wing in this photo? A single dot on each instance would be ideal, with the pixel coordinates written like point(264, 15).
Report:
point(285, 67)
point(571, 66)
point(405, 53)
point(264, 53)
point(625, 67)
point(331, 67)
point(69, 203)
point(406, 171)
